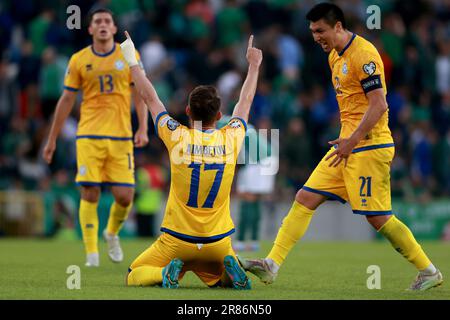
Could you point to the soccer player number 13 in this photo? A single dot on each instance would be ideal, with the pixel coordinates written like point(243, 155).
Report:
point(195, 182)
point(106, 83)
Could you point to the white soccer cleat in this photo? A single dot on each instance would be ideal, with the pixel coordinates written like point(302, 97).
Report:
point(425, 282)
point(92, 260)
point(115, 252)
point(265, 269)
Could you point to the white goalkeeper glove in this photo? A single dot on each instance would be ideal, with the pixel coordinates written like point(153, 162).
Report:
point(128, 51)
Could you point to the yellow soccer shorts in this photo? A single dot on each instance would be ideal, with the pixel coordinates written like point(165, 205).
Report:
point(105, 162)
point(364, 182)
point(205, 260)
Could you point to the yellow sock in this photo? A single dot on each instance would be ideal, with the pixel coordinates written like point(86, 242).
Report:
point(292, 229)
point(145, 276)
point(117, 216)
point(89, 225)
point(404, 242)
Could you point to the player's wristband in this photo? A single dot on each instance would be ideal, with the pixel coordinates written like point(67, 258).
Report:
point(129, 53)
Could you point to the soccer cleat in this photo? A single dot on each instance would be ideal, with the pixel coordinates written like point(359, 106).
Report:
point(236, 274)
point(115, 252)
point(171, 273)
point(425, 282)
point(92, 260)
point(264, 269)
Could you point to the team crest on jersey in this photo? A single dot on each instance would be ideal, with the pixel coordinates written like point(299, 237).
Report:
point(235, 124)
point(119, 65)
point(370, 68)
point(345, 68)
point(172, 124)
point(82, 170)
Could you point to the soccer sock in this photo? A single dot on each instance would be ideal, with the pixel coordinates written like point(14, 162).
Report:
point(145, 276)
point(89, 225)
point(404, 242)
point(117, 216)
point(292, 229)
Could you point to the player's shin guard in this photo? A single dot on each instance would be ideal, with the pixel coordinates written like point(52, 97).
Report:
point(117, 216)
point(89, 225)
point(404, 242)
point(292, 229)
point(145, 276)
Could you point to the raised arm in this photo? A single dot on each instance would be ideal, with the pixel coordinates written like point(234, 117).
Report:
point(142, 84)
point(140, 137)
point(254, 58)
point(63, 109)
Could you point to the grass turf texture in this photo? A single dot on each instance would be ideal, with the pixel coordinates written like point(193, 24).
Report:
point(36, 269)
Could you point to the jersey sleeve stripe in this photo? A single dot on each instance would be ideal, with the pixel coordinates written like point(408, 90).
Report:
point(158, 117)
point(71, 89)
point(242, 120)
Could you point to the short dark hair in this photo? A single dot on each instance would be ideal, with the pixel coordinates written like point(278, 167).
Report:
point(99, 10)
point(204, 103)
point(329, 12)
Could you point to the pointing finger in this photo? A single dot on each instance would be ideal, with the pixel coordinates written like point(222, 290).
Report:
point(127, 35)
point(333, 141)
point(250, 41)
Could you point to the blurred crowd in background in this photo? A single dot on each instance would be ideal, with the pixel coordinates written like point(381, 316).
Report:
point(184, 43)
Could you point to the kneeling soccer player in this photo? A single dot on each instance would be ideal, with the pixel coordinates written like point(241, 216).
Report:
point(197, 224)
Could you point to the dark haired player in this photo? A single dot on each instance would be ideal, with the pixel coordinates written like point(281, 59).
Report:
point(356, 168)
point(197, 224)
point(104, 136)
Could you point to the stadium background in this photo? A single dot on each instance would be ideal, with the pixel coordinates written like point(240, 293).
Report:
point(188, 42)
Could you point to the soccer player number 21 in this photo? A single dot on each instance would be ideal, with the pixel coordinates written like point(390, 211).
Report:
point(195, 180)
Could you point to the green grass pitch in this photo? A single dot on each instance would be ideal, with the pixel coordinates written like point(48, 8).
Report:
point(36, 269)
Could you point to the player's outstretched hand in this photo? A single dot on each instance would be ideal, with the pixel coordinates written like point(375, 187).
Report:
point(49, 150)
point(128, 50)
point(343, 150)
point(254, 55)
point(140, 138)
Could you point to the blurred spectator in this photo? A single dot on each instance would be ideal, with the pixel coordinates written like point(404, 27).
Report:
point(38, 28)
point(28, 77)
point(296, 149)
point(231, 23)
point(443, 68)
point(184, 43)
point(150, 183)
point(51, 80)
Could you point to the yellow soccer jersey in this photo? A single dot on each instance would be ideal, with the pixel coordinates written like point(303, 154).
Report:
point(105, 81)
point(202, 167)
point(357, 70)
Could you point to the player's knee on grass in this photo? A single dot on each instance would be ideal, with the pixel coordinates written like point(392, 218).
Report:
point(90, 193)
point(308, 199)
